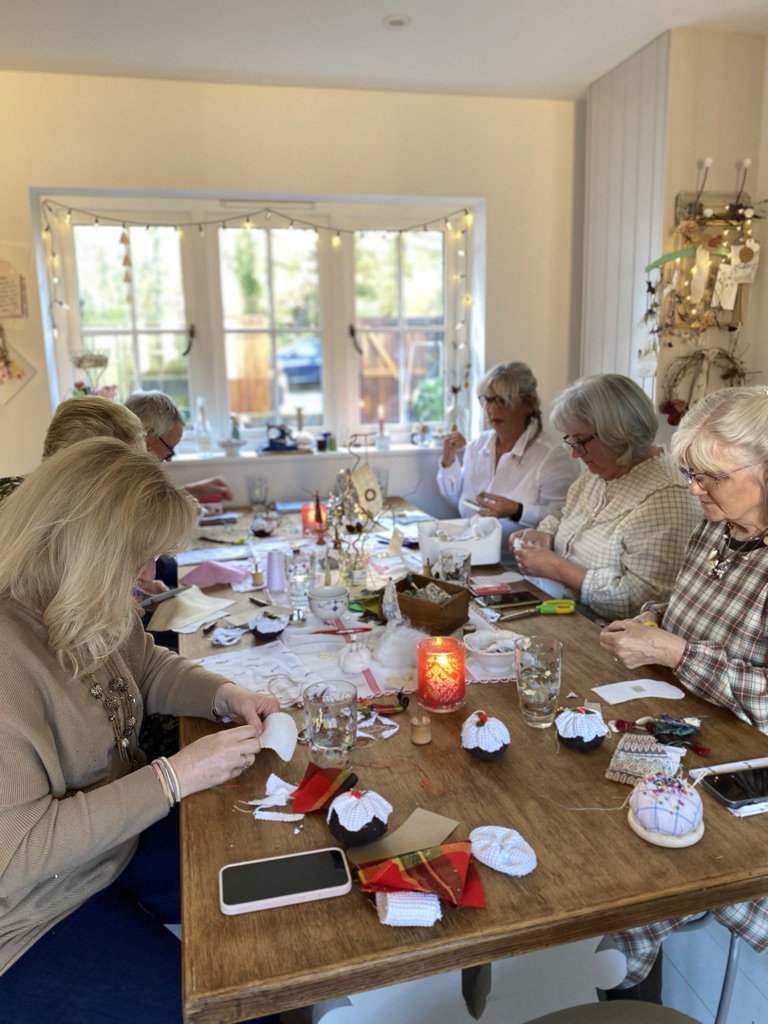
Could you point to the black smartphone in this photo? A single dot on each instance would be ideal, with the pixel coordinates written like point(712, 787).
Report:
point(280, 881)
point(517, 599)
point(738, 788)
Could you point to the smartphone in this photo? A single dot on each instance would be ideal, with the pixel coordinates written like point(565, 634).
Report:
point(280, 881)
point(473, 504)
point(517, 599)
point(738, 788)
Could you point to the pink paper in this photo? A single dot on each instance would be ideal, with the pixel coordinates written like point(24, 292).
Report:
point(210, 573)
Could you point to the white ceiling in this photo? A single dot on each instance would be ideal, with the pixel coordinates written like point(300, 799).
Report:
point(528, 48)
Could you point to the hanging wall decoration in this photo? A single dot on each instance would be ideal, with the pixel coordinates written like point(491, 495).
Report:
point(15, 371)
point(696, 298)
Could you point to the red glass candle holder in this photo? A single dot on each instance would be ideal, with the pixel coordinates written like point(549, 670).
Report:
point(440, 673)
point(311, 523)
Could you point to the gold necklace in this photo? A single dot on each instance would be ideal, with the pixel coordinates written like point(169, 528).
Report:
point(722, 557)
point(119, 704)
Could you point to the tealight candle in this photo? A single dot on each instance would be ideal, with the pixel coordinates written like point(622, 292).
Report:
point(421, 729)
point(440, 673)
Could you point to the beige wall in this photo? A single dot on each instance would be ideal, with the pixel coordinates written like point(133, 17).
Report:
point(65, 131)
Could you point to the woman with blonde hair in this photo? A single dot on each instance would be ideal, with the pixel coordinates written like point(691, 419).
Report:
point(713, 630)
point(514, 471)
point(76, 419)
point(81, 911)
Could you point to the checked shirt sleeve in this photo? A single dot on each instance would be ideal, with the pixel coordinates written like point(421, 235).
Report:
point(653, 542)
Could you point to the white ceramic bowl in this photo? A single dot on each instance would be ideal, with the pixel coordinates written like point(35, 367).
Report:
point(494, 650)
point(232, 445)
point(328, 603)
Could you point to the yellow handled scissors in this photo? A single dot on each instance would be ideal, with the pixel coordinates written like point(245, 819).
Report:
point(564, 606)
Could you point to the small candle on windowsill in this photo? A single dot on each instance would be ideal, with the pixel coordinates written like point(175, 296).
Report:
point(421, 729)
point(380, 414)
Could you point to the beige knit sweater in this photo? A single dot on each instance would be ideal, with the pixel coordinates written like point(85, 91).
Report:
point(70, 811)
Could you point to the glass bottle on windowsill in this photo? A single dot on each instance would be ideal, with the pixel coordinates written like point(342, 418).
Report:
point(203, 436)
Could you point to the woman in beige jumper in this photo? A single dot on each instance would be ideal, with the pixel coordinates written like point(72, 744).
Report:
point(81, 911)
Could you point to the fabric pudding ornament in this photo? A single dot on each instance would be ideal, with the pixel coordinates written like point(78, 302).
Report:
point(356, 818)
point(484, 737)
point(581, 729)
point(667, 811)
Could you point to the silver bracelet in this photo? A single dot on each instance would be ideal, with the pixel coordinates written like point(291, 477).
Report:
point(162, 779)
point(171, 778)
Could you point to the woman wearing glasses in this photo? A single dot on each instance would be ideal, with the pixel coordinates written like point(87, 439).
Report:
point(714, 627)
point(622, 534)
point(513, 471)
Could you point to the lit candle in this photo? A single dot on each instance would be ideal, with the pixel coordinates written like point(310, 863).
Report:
point(380, 414)
point(440, 673)
point(313, 518)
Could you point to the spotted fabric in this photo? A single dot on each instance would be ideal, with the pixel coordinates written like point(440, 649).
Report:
point(8, 485)
point(630, 534)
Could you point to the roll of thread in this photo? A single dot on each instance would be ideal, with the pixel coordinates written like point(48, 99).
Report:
point(276, 571)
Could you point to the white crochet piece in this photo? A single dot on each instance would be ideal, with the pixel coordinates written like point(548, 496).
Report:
point(355, 812)
point(502, 849)
point(489, 736)
point(408, 909)
point(580, 724)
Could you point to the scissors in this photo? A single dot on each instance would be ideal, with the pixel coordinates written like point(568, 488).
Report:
point(564, 606)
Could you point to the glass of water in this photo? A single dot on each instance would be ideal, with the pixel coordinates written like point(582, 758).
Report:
point(539, 669)
point(301, 568)
point(330, 718)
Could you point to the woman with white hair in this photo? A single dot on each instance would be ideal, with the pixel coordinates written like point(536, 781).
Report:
point(164, 425)
point(621, 537)
point(713, 630)
point(88, 829)
point(513, 471)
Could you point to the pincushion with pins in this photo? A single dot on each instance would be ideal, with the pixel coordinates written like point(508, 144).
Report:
point(667, 811)
point(358, 817)
point(581, 728)
point(484, 737)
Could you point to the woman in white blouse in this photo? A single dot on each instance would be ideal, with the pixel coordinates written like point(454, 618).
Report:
point(621, 537)
point(513, 471)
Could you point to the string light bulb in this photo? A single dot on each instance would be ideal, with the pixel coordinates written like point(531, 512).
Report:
point(336, 240)
point(468, 218)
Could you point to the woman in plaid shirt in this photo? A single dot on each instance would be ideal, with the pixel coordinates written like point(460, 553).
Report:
point(620, 539)
point(714, 628)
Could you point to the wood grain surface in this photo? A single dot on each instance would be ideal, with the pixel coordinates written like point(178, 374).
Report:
point(594, 874)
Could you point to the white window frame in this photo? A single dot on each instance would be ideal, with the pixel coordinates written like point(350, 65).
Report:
point(202, 287)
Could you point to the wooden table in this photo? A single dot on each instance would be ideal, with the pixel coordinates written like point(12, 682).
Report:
point(594, 874)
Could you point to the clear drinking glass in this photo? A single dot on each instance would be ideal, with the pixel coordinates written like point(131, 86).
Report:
point(455, 565)
point(539, 670)
point(330, 717)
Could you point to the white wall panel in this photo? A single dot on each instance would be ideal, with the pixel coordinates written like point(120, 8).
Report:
point(626, 125)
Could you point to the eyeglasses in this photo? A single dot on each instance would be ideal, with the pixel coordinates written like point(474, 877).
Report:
point(171, 451)
point(580, 447)
point(708, 481)
point(486, 400)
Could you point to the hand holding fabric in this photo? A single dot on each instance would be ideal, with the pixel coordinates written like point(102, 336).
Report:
point(634, 643)
point(242, 705)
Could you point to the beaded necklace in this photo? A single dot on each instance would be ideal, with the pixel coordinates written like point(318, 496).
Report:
point(118, 703)
point(722, 557)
